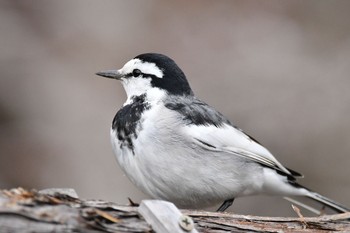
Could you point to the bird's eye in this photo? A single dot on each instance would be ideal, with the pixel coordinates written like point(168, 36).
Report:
point(136, 72)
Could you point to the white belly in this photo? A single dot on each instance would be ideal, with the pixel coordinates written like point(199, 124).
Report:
point(168, 166)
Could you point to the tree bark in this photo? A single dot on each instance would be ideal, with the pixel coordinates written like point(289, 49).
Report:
point(60, 210)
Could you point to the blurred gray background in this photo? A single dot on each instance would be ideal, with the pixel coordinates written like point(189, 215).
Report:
point(278, 69)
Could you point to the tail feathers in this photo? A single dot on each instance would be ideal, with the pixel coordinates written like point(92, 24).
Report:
point(337, 207)
point(303, 205)
point(328, 202)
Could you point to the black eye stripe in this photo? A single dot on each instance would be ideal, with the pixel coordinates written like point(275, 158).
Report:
point(136, 72)
point(132, 74)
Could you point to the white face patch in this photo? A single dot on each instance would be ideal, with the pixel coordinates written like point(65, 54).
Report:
point(144, 67)
point(136, 86)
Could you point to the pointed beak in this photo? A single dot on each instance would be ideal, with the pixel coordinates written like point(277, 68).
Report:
point(114, 74)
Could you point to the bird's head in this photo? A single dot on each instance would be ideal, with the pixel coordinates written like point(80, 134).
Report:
point(150, 72)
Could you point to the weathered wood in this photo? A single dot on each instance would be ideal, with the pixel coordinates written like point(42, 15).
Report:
point(65, 191)
point(31, 211)
point(239, 223)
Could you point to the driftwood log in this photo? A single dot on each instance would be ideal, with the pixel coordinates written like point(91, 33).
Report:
point(60, 210)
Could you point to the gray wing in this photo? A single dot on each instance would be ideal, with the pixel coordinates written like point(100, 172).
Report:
point(211, 130)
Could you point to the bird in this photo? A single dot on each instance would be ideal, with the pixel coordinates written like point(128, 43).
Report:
point(177, 148)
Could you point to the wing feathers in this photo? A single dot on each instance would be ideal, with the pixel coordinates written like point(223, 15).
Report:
point(212, 131)
point(233, 141)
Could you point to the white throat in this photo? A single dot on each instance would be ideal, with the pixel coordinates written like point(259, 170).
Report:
point(139, 86)
point(136, 86)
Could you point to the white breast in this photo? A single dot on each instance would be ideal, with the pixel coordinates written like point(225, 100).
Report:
point(168, 165)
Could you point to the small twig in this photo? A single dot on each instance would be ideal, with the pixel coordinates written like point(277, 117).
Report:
point(302, 218)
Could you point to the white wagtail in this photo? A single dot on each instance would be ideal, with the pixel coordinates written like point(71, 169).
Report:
point(175, 147)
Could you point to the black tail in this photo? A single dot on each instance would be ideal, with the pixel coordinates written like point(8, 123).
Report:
point(328, 202)
point(337, 207)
